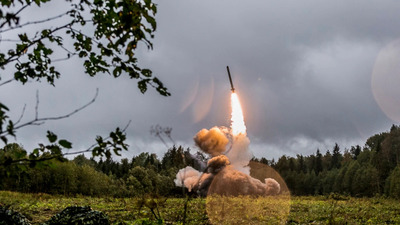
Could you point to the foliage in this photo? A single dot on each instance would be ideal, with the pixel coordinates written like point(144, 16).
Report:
point(109, 47)
point(104, 35)
point(360, 176)
point(78, 215)
point(393, 183)
point(357, 172)
point(9, 216)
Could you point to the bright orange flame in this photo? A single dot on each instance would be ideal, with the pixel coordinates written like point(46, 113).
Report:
point(237, 120)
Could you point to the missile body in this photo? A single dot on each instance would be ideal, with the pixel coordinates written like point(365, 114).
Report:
point(230, 79)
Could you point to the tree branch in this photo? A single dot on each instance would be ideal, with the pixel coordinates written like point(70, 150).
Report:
point(16, 55)
point(22, 115)
point(39, 121)
point(37, 105)
point(27, 160)
point(20, 10)
point(93, 145)
point(7, 81)
point(35, 22)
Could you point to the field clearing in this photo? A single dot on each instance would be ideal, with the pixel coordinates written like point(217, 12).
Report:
point(38, 208)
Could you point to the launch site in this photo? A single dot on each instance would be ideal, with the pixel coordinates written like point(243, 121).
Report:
point(199, 112)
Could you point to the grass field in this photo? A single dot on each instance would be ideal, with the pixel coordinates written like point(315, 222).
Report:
point(39, 208)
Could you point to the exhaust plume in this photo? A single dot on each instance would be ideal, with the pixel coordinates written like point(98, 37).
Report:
point(227, 172)
point(237, 120)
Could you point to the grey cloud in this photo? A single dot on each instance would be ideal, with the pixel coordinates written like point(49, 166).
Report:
point(302, 70)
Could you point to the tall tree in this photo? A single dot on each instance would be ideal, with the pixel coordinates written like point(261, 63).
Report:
point(301, 163)
point(355, 151)
point(327, 161)
point(336, 156)
point(318, 162)
point(393, 183)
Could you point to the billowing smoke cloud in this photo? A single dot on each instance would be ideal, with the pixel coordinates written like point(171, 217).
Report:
point(217, 163)
point(211, 141)
point(227, 172)
point(273, 187)
point(232, 182)
point(187, 177)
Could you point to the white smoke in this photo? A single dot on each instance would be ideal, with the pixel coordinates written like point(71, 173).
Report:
point(187, 177)
point(273, 187)
point(240, 154)
point(227, 172)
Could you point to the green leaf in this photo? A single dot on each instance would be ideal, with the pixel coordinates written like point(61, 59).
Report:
point(19, 154)
point(3, 107)
point(146, 72)
point(117, 72)
point(64, 143)
point(51, 136)
point(4, 139)
point(142, 85)
point(35, 153)
point(55, 150)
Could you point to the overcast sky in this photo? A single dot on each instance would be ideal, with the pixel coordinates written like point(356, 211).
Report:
point(308, 74)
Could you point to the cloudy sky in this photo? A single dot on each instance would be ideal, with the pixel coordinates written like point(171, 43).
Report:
point(308, 74)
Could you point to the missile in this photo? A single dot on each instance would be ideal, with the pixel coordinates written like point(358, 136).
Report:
point(230, 79)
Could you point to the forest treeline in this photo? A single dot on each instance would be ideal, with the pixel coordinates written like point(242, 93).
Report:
point(371, 170)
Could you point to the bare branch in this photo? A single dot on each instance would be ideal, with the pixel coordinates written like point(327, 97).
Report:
point(69, 55)
point(167, 131)
point(10, 40)
point(22, 115)
point(157, 131)
point(35, 22)
point(93, 145)
point(127, 125)
point(18, 54)
point(20, 10)
point(7, 81)
point(40, 121)
point(37, 105)
point(27, 160)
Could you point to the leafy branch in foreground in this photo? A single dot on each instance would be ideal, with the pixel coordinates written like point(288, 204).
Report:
point(118, 28)
point(14, 154)
point(104, 35)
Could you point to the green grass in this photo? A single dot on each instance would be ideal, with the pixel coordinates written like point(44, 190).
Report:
point(303, 210)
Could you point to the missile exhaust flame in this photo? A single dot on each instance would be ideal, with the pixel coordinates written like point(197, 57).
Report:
point(237, 120)
point(231, 181)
